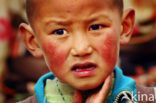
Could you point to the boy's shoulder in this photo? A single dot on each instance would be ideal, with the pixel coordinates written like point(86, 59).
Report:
point(31, 99)
point(125, 89)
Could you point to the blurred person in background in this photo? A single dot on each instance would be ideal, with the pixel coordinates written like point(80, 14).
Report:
point(139, 57)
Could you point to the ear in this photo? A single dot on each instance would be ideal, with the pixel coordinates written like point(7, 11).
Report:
point(128, 20)
point(30, 40)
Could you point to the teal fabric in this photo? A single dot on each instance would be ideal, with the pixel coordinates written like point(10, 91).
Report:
point(122, 83)
point(39, 87)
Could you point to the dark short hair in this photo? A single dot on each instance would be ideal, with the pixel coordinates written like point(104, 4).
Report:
point(119, 4)
point(30, 7)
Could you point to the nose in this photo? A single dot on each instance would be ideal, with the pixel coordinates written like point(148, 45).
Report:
point(81, 46)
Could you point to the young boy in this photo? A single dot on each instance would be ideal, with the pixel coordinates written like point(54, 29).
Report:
point(80, 41)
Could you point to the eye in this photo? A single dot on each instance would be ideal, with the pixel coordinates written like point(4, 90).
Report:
point(96, 27)
point(59, 32)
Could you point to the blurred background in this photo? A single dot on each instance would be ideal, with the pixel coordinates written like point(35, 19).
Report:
point(19, 70)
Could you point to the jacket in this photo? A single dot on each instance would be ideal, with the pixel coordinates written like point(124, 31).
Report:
point(125, 89)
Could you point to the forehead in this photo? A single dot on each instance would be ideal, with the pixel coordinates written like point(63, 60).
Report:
point(43, 7)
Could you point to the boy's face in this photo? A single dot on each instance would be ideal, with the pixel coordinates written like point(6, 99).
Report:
point(79, 39)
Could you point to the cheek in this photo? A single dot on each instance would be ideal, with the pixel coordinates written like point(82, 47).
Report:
point(108, 48)
point(55, 55)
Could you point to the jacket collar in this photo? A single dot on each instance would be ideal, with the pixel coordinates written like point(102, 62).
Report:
point(39, 87)
point(122, 84)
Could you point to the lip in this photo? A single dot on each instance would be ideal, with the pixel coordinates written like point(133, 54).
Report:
point(84, 69)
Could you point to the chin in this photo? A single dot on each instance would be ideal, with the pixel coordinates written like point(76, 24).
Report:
point(88, 86)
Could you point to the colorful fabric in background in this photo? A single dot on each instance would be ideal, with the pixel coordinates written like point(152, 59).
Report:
point(5, 29)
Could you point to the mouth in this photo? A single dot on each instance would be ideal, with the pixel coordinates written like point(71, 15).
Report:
point(84, 69)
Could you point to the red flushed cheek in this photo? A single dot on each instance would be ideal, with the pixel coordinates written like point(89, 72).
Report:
point(109, 49)
point(54, 54)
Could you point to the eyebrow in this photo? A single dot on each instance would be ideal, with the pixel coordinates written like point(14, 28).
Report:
point(64, 22)
point(99, 17)
point(57, 21)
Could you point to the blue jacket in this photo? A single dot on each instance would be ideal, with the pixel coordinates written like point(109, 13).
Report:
point(124, 87)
